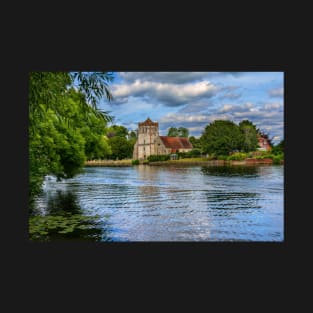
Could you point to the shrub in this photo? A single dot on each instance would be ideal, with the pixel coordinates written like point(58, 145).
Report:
point(222, 157)
point(265, 155)
point(238, 156)
point(135, 162)
point(156, 158)
point(278, 158)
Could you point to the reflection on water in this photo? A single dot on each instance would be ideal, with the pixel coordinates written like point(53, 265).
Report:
point(154, 203)
point(64, 219)
point(238, 170)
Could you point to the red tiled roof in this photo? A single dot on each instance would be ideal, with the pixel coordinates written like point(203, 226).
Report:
point(176, 142)
point(148, 122)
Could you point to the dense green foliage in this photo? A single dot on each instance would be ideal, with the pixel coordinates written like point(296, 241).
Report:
point(117, 130)
point(178, 132)
point(156, 158)
point(121, 148)
point(221, 137)
point(65, 129)
point(194, 153)
point(196, 143)
point(249, 132)
point(121, 142)
point(238, 156)
point(279, 148)
point(135, 162)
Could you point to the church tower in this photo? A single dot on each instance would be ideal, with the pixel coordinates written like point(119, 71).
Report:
point(147, 134)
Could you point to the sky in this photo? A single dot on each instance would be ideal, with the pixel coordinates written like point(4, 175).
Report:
point(195, 99)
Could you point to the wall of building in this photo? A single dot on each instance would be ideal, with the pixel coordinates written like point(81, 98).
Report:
point(160, 148)
point(146, 138)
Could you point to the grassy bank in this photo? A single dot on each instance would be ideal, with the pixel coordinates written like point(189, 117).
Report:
point(127, 162)
point(200, 161)
point(187, 161)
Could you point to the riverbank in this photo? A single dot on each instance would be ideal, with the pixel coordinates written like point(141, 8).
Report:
point(190, 161)
point(200, 161)
point(127, 162)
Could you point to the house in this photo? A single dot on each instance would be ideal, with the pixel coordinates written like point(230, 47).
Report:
point(264, 143)
point(150, 143)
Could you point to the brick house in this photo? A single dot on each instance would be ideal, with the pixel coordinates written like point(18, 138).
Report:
point(264, 144)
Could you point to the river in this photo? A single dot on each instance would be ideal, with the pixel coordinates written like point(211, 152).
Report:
point(169, 203)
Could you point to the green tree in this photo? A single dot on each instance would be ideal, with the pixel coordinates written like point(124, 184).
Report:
point(64, 124)
point(196, 143)
point(279, 148)
point(178, 132)
point(121, 148)
point(117, 130)
point(132, 137)
point(221, 137)
point(249, 132)
point(172, 132)
point(183, 132)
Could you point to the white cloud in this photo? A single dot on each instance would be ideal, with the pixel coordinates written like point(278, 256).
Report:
point(174, 77)
point(165, 93)
point(273, 106)
point(277, 92)
point(248, 106)
point(164, 77)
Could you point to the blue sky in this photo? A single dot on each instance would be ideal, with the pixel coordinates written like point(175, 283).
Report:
point(195, 99)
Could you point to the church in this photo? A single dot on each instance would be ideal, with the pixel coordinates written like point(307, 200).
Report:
point(150, 143)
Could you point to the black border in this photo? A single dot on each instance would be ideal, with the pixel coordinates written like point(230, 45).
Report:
point(93, 258)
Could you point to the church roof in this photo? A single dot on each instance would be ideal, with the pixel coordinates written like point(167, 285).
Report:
point(148, 122)
point(176, 142)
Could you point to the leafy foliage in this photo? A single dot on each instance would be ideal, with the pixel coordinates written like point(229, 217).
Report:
point(279, 148)
point(64, 129)
point(249, 132)
point(196, 143)
point(178, 132)
point(190, 154)
point(221, 137)
point(238, 156)
point(117, 130)
point(121, 148)
point(156, 158)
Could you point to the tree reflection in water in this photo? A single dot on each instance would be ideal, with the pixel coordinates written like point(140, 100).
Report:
point(231, 170)
point(65, 220)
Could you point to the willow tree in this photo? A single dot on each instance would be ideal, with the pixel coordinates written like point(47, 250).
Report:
point(63, 119)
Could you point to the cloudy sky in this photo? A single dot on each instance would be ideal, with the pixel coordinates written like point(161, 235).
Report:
point(195, 99)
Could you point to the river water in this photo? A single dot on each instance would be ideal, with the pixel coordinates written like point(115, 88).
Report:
point(172, 203)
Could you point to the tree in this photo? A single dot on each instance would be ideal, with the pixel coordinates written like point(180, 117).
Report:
point(279, 148)
point(195, 142)
point(172, 132)
point(249, 132)
point(178, 132)
point(221, 137)
point(183, 132)
point(117, 130)
point(121, 148)
point(132, 138)
point(64, 124)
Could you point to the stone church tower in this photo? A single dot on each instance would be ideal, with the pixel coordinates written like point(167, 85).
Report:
point(147, 134)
